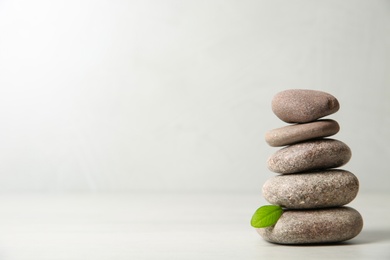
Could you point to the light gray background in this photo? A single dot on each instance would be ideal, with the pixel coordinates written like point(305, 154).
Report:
point(175, 95)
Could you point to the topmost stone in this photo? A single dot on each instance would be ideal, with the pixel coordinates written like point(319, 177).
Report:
point(303, 105)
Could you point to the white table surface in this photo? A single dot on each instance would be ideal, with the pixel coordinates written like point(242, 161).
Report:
point(166, 226)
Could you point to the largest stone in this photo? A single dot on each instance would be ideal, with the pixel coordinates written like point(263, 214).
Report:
point(314, 226)
point(310, 155)
point(303, 105)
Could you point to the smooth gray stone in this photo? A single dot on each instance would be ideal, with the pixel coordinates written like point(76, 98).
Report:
point(303, 105)
point(311, 155)
point(329, 188)
point(301, 132)
point(314, 226)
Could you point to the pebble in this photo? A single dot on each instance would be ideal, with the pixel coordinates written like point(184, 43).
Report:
point(311, 155)
point(329, 188)
point(301, 132)
point(314, 226)
point(303, 105)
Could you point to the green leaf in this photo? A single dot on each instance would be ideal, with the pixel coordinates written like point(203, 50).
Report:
point(266, 216)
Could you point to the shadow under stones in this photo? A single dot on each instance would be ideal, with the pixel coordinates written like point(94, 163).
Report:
point(371, 236)
point(365, 237)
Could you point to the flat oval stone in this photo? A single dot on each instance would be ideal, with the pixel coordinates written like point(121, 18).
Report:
point(321, 189)
point(303, 105)
point(314, 226)
point(301, 132)
point(310, 155)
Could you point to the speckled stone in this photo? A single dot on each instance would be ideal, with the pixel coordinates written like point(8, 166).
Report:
point(321, 189)
point(314, 226)
point(303, 105)
point(311, 155)
point(301, 132)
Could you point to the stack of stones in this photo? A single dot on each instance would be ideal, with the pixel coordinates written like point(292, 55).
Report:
point(312, 192)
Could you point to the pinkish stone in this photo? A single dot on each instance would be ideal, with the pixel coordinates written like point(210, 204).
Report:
point(303, 105)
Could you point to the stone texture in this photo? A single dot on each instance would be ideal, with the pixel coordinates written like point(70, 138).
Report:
point(321, 189)
point(303, 105)
point(314, 226)
point(301, 132)
point(311, 155)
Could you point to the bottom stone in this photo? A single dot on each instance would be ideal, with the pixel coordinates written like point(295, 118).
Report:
point(314, 226)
